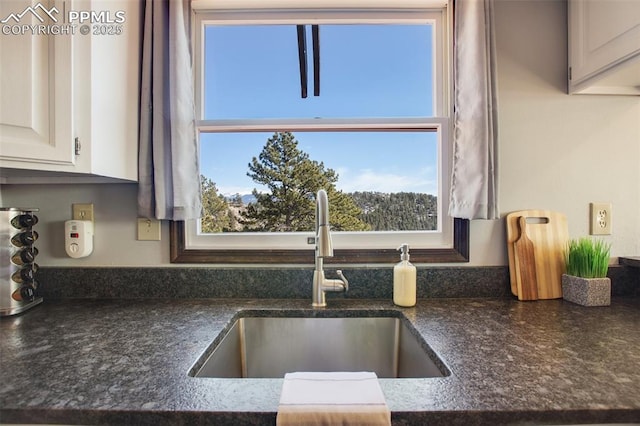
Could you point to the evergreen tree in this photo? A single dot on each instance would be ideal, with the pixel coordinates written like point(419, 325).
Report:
point(293, 179)
point(344, 214)
point(216, 216)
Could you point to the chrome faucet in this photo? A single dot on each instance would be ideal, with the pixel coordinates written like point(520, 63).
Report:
point(324, 248)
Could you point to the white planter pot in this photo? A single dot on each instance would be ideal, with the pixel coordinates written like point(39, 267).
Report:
point(586, 291)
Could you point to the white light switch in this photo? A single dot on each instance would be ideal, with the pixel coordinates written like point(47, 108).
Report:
point(148, 229)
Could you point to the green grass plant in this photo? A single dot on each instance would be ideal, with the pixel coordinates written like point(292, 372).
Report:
point(587, 258)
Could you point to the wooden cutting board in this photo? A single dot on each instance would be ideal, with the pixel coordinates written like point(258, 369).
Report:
point(549, 234)
point(525, 270)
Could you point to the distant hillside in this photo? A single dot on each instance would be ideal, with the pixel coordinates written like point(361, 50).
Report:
point(401, 211)
point(245, 198)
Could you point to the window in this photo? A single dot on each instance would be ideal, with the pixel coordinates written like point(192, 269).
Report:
point(357, 100)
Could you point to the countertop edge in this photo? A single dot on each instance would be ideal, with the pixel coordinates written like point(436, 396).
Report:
point(234, 418)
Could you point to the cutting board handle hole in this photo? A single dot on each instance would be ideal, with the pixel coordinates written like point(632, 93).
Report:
point(537, 220)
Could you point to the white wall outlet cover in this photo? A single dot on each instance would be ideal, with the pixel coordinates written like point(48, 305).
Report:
point(82, 211)
point(78, 238)
point(601, 217)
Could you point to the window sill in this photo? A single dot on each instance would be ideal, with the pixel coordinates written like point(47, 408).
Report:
point(180, 254)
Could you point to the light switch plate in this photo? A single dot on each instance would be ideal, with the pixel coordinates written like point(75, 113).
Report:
point(148, 229)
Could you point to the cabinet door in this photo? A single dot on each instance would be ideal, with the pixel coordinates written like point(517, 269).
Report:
point(35, 86)
point(603, 34)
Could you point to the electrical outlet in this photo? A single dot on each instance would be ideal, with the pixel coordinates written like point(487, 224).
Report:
point(82, 212)
point(600, 218)
point(148, 229)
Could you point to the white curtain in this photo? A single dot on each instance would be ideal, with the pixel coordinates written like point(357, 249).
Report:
point(474, 183)
point(168, 175)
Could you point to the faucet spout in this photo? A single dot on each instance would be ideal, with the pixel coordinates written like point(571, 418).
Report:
point(324, 248)
point(324, 245)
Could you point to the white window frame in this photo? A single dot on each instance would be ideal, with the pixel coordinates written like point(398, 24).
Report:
point(443, 237)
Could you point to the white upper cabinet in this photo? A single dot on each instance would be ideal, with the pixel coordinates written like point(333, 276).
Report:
point(604, 47)
point(36, 121)
point(69, 94)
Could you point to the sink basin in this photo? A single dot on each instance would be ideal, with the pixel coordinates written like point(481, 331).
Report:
point(268, 347)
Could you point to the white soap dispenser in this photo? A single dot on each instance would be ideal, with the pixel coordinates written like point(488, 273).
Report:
point(404, 279)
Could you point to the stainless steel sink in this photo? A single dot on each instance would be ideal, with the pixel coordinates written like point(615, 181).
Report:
point(263, 347)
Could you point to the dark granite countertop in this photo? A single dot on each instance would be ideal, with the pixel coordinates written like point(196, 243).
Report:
point(126, 362)
point(633, 261)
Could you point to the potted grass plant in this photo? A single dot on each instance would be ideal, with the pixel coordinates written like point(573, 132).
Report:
point(586, 282)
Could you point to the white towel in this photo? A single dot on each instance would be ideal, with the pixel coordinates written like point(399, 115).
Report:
point(336, 398)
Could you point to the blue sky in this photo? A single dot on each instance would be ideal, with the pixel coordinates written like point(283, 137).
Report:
point(366, 71)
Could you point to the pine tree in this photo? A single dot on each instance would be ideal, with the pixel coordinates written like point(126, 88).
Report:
point(292, 180)
point(216, 216)
point(344, 214)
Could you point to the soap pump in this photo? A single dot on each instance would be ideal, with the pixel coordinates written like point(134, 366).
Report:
point(404, 279)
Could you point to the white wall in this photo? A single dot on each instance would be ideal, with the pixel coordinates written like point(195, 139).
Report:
point(557, 152)
point(115, 212)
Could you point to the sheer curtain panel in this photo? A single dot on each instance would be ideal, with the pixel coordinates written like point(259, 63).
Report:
point(168, 176)
point(474, 183)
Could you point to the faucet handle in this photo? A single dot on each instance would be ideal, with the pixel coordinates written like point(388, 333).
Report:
point(343, 279)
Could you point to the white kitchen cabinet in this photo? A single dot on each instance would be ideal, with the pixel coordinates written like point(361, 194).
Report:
point(604, 47)
point(36, 92)
point(69, 101)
